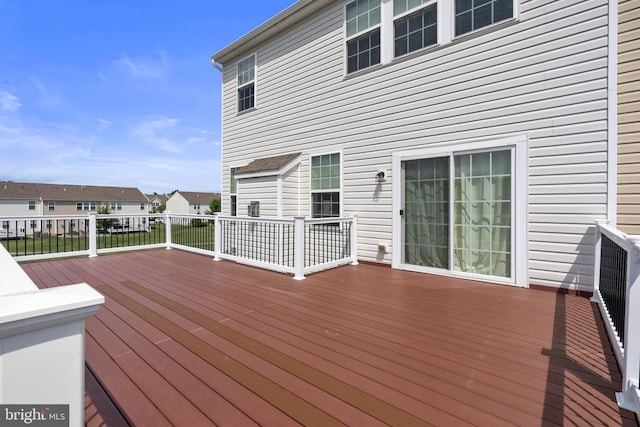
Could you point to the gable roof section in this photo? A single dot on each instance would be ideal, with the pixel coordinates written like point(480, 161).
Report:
point(202, 198)
point(292, 15)
point(18, 191)
point(268, 166)
point(72, 193)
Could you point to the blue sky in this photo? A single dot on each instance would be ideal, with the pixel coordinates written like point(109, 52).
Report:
point(116, 92)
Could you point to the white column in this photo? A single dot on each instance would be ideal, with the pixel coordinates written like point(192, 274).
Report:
point(217, 238)
point(93, 234)
point(298, 255)
point(354, 240)
point(167, 229)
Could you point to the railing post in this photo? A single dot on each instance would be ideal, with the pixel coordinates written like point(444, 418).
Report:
point(354, 239)
point(167, 229)
point(217, 238)
point(298, 253)
point(93, 235)
point(629, 398)
point(596, 267)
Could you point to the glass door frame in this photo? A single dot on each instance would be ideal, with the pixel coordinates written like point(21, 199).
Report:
point(519, 247)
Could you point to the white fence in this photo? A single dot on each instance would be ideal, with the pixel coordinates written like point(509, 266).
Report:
point(42, 341)
point(617, 292)
point(296, 246)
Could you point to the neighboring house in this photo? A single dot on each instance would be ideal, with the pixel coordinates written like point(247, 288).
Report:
point(34, 199)
point(472, 139)
point(156, 200)
point(190, 203)
point(629, 116)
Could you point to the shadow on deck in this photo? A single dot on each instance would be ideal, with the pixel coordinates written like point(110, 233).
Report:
point(184, 340)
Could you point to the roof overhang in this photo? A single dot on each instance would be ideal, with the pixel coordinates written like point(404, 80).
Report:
point(292, 15)
point(270, 166)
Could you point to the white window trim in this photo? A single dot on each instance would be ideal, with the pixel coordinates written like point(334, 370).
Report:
point(446, 30)
point(452, 21)
point(340, 190)
point(385, 7)
point(255, 83)
point(520, 204)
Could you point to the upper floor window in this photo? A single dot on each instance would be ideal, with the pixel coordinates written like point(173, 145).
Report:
point(85, 206)
point(32, 205)
point(471, 15)
point(142, 206)
point(415, 25)
point(325, 186)
point(247, 83)
point(363, 34)
point(52, 206)
point(115, 206)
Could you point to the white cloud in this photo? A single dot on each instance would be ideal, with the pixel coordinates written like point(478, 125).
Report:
point(48, 97)
point(104, 124)
point(142, 68)
point(9, 101)
point(168, 134)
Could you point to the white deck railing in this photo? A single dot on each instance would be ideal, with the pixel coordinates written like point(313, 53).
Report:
point(296, 246)
point(42, 342)
point(617, 292)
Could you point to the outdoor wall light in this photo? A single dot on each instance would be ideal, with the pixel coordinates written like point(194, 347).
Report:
point(380, 176)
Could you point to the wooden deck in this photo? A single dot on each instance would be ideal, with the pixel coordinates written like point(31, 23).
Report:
point(183, 340)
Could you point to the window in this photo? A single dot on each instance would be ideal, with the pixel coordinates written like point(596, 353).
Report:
point(5, 225)
point(246, 83)
point(142, 205)
point(52, 206)
point(114, 206)
point(233, 185)
point(48, 224)
point(196, 206)
point(471, 15)
point(253, 209)
point(33, 224)
point(325, 186)
point(363, 34)
point(32, 205)
point(84, 206)
point(415, 30)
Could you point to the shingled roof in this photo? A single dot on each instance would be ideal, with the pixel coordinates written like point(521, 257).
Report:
point(202, 198)
point(65, 192)
point(267, 164)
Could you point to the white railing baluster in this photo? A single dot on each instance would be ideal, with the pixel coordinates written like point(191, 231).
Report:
point(629, 398)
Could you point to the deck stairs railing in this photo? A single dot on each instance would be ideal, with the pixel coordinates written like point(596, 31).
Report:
point(296, 246)
point(42, 347)
point(617, 293)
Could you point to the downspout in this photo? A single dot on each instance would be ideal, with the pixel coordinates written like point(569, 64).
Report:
point(219, 67)
point(612, 115)
point(216, 65)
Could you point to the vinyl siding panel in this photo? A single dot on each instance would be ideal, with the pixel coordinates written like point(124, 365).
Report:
point(263, 190)
point(628, 218)
point(543, 75)
point(291, 193)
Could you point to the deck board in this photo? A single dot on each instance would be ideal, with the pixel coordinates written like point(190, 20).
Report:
point(184, 340)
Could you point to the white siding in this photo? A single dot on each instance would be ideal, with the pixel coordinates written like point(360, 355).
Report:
point(263, 190)
point(291, 195)
point(544, 75)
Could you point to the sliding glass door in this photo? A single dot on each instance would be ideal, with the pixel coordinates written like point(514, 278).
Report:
point(457, 212)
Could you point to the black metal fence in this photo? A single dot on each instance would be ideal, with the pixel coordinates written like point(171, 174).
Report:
point(613, 282)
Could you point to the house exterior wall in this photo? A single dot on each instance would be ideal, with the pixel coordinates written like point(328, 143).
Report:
point(628, 116)
point(543, 76)
point(178, 204)
point(291, 193)
point(18, 208)
point(261, 189)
